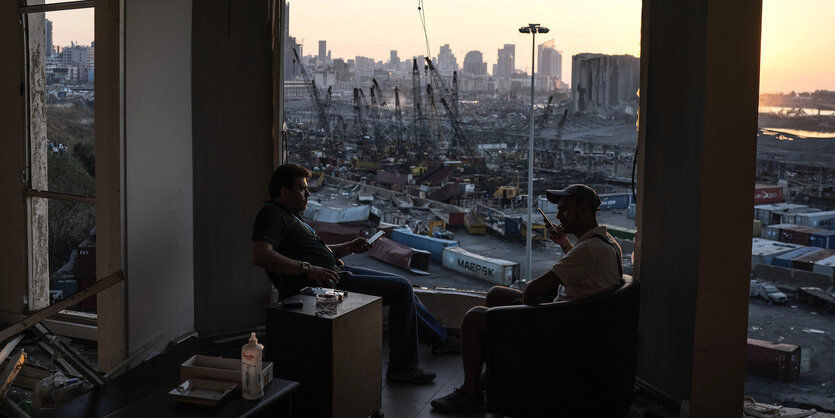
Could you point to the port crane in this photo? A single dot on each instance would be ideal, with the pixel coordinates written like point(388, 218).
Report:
point(419, 128)
point(314, 93)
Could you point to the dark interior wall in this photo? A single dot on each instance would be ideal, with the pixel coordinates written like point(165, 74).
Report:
point(232, 125)
point(697, 147)
point(13, 255)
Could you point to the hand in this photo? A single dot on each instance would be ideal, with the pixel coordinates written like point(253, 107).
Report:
point(558, 235)
point(359, 246)
point(323, 277)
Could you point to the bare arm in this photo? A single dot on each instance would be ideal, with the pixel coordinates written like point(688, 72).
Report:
point(263, 255)
point(537, 287)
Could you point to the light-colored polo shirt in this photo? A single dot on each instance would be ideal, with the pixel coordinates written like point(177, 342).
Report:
point(591, 267)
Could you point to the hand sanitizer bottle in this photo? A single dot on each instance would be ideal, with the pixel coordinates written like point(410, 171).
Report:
point(252, 385)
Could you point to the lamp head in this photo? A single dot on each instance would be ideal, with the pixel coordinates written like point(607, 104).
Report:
point(525, 29)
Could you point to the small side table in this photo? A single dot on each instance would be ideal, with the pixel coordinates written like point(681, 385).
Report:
point(335, 357)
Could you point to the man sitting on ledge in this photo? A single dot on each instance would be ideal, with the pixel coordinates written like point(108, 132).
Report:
point(295, 257)
point(589, 267)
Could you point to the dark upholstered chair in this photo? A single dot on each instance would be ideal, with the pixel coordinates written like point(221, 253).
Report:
point(564, 359)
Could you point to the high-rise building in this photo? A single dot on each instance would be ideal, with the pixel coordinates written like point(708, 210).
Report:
point(474, 64)
point(291, 67)
point(393, 58)
point(48, 27)
point(323, 52)
point(446, 61)
point(549, 60)
point(506, 63)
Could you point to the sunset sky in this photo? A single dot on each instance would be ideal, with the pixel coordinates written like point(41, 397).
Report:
point(797, 51)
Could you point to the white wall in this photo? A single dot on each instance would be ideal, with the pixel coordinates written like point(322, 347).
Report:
point(158, 170)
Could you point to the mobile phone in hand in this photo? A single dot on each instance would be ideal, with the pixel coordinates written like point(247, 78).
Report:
point(373, 238)
point(548, 223)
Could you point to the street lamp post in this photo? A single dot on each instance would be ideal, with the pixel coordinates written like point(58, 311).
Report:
point(532, 28)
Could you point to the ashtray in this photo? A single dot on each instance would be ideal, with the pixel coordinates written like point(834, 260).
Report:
point(203, 391)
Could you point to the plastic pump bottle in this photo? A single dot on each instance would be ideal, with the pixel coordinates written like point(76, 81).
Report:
point(252, 383)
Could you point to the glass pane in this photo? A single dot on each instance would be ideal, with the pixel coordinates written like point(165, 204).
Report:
point(369, 108)
point(72, 250)
point(794, 192)
point(68, 72)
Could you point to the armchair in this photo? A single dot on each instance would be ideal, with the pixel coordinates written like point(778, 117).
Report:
point(572, 359)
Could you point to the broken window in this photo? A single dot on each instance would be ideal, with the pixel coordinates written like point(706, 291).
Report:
point(60, 178)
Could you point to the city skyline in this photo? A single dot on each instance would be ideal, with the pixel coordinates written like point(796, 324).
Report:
point(794, 36)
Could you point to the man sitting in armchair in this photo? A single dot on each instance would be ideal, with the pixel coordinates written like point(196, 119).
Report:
point(592, 265)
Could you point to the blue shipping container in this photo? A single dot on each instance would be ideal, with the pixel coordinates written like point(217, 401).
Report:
point(785, 260)
point(823, 239)
point(614, 200)
point(435, 246)
point(68, 287)
point(511, 227)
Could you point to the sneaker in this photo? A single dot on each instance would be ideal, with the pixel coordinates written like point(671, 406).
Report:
point(412, 374)
point(452, 344)
point(458, 401)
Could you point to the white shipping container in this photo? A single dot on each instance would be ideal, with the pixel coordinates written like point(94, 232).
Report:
point(816, 219)
point(493, 270)
point(825, 266)
point(763, 251)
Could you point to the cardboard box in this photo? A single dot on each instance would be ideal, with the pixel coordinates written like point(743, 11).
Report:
point(219, 368)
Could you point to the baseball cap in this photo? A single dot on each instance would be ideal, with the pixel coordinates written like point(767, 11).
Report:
point(580, 191)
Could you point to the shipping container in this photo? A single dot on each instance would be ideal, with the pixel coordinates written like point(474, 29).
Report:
point(364, 214)
point(758, 228)
point(822, 239)
point(785, 260)
point(512, 226)
point(796, 234)
point(435, 246)
point(614, 200)
point(807, 262)
point(825, 267)
point(620, 232)
point(492, 270)
point(474, 224)
point(779, 361)
point(67, 286)
point(447, 192)
point(630, 211)
point(763, 251)
point(823, 220)
point(791, 218)
point(392, 177)
point(767, 194)
point(772, 232)
point(770, 214)
point(85, 262)
point(394, 253)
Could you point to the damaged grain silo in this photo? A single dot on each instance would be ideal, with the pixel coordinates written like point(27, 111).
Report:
point(605, 84)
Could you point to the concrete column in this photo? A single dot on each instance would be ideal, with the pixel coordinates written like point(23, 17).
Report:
point(697, 151)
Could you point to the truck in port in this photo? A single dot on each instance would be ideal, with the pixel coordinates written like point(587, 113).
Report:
point(767, 292)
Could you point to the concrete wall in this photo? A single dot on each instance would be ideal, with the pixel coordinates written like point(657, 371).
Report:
point(232, 126)
point(13, 254)
point(158, 170)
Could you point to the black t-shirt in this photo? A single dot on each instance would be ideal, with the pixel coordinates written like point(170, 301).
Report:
point(291, 237)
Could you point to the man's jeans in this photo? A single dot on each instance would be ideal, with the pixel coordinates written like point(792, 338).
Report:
point(408, 318)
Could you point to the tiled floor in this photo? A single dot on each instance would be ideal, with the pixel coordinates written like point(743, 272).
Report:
point(407, 400)
point(403, 400)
